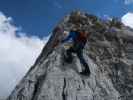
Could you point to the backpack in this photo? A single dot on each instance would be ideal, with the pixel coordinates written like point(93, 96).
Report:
point(81, 38)
point(80, 41)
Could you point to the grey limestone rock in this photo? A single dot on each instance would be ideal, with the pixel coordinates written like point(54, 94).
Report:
point(108, 54)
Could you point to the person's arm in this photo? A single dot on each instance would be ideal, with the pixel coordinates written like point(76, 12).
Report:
point(67, 38)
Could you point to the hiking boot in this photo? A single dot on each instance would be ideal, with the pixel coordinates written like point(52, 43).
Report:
point(86, 72)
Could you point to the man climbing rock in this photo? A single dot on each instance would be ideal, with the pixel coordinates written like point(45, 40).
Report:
point(79, 39)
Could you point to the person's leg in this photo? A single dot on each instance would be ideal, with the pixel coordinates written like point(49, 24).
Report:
point(69, 57)
point(83, 62)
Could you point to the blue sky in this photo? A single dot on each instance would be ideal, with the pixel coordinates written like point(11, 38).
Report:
point(38, 17)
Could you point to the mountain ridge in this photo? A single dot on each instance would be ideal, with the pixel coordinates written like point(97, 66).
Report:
point(108, 52)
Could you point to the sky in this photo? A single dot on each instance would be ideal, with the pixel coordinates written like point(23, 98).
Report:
point(38, 17)
point(26, 25)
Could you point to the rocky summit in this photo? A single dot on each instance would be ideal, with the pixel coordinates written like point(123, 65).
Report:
point(108, 52)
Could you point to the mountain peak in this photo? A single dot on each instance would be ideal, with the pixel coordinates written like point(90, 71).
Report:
point(108, 52)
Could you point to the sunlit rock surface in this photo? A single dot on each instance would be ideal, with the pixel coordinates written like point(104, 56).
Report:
point(108, 52)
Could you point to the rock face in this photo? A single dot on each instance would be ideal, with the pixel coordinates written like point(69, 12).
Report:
point(108, 52)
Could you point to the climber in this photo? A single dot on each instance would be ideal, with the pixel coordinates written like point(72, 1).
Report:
point(79, 39)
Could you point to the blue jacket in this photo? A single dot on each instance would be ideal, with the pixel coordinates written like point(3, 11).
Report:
point(72, 35)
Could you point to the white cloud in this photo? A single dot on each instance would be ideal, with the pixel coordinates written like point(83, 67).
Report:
point(127, 19)
point(127, 2)
point(17, 54)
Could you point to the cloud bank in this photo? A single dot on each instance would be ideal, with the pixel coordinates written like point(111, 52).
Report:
point(127, 19)
point(17, 53)
point(127, 2)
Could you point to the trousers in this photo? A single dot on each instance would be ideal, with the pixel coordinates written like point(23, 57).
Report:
point(79, 53)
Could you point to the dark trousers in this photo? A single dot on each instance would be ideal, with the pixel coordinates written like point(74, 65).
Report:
point(79, 52)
